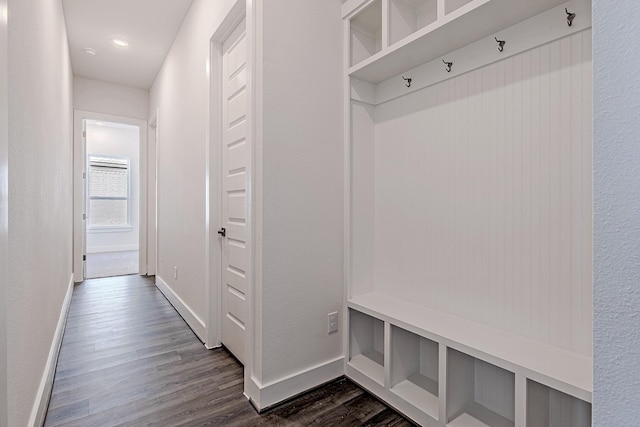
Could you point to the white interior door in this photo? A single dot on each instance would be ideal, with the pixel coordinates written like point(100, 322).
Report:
point(234, 183)
point(84, 199)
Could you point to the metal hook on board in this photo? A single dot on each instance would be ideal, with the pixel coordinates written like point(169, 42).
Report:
point(448, 64)
point(570, 16)
point(501, 44)
point(408, 80)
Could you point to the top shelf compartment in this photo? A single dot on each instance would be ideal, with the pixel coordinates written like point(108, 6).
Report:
point(408, 16)
point(422, 30)
point(366, 32)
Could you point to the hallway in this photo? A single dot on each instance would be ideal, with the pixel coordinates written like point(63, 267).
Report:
point(128, 358)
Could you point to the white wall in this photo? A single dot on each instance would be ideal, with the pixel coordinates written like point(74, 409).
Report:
point(120, 141)
point(302, 185)
point(4, 144)
point(40, 191)
point(616, 160)
point(106, 98)
point(181, 93)
point(483, 195)
point(301, 177)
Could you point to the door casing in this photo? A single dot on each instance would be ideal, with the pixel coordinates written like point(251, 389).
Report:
point(79, 193)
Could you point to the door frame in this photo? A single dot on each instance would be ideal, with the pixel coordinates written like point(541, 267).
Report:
point(152, 193)
point(213, 248)
point(79, 195)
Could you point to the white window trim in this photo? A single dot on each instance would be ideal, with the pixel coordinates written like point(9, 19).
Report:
point(110, 229)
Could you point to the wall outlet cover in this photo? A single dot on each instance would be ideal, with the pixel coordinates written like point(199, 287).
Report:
point(333, 322)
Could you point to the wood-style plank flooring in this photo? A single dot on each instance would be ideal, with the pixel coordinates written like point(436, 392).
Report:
point(128, 358)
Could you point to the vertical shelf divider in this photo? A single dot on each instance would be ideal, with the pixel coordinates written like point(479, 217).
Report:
point(386, 24)
point(521, 401)
point(387, 355)
point(441, 7)
point(442, 383)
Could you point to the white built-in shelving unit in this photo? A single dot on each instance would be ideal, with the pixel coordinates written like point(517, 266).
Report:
point(468, 209)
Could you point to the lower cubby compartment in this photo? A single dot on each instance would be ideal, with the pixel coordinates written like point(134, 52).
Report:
point(366, 345)
point(547, 407)
point(479, 394)
point(414, 370)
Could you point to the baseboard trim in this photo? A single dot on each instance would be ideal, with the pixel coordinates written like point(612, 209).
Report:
point(189, 316)
point(39, 410)
point(265, 396)
point(112, 248)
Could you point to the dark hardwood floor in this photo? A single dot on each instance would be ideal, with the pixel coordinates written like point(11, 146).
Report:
point(128, 358)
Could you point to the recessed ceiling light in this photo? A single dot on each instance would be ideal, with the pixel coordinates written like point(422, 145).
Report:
point(119, 41)
point(4, 14)
point(90, 51)
point(99, 124)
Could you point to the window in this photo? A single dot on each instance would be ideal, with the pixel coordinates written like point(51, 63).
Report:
point(108, 191)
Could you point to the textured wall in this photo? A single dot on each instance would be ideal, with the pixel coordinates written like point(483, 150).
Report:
point(40, 191)
point(181, 93)
point(616, 172)
point(302, 185)
point(108, 98)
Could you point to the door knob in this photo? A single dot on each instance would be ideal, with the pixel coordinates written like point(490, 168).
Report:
point(222, 232)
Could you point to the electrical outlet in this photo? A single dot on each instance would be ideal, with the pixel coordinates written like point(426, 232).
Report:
point(333, 322)
point(175, 272)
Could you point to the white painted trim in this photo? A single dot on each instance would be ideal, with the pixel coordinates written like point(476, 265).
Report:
point(350, 8)
point(111, 248)
point(78, 198)
point(39, 410)
point(189, 316)
point(143, 189)
point(78, 187)
point(96, 230)
point(264, 396)
point(152, 194)
point(346, 245)
point(4, 209)
point(253, 331)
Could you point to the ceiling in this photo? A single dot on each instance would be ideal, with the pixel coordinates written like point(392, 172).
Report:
point(148, 25)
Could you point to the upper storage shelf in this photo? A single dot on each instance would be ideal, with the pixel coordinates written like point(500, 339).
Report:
point(413, 32)
point(366, 32)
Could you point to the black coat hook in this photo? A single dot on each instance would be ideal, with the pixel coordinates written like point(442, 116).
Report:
point(501, 44)
point(570, 16)
point(408, 80)
point(448, 64)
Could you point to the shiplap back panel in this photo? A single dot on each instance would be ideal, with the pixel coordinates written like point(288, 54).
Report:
point(362, 198)
point(483, 198)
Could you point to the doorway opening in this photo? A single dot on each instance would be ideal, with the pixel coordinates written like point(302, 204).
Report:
point(112, 198)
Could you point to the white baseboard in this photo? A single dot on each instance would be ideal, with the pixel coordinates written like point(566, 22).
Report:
point(112, 248)
point(264, 396)
point(39, 410)
point(194, 322)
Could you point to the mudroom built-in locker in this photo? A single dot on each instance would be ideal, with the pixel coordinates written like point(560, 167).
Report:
point(468, 179)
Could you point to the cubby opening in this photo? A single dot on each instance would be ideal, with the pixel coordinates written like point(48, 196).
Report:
point(453, 5)
point(366, 32)
point(366, 345)
point(547, 407)
point(414, 370)
point(408, 16)
point(479, 394)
